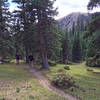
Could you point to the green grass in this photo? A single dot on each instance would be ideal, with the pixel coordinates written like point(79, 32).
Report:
point(16, 83)
point(87, 80)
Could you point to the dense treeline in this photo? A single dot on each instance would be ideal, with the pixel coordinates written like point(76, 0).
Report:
point(33, 29)
point(92, 35)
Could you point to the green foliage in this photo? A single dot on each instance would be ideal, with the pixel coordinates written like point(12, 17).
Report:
point(93, 3)
point(3, 99)
point(5, 38)
point(93, 46)
point(86, 34)
point(94, 61)
point(37, 29)
point(93, 26)
point(61, 70)
point(31, 97)
point(67, 67)
point(18, 90)
point(87, 83)
point(90, 70)
point(92, 37)
point(63, 81)
point(52, 63)
point(65, 47)
point(54, 43)
point(76, 49)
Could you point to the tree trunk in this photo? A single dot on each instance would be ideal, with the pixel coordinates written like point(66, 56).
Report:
point(64, 53)
point(26, 54)
point(45, 64)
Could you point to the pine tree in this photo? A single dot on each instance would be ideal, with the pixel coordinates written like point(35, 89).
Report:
point(45, 15)
point(42, 13)
point(25, 30)
point(4, 29)
point(65, 48)
point(93, 3)
point(73, 29)
point(4, 14)
point(76, 49)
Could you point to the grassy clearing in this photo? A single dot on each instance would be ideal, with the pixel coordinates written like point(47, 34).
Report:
point(16, 83)
point(89, 81)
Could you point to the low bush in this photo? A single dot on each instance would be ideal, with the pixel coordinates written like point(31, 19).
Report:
point(90, 70)
point(2, 99)
point(61, 70)
point(31, 97)
point(17, 90)
point(67, 67)
point(92, 62)
point(62, 80)
point(52, 63)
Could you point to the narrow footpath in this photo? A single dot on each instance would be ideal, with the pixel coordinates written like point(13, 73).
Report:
point(46, 84)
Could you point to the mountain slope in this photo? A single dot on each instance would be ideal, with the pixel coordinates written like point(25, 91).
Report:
point(67, 21)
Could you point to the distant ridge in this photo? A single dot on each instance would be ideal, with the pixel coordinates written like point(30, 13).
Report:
point(67, 21)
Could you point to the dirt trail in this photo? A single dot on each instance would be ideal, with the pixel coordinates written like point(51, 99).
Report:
point(46, 84)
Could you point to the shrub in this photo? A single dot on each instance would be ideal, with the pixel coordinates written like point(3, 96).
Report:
point(69, 62)
point(92, 62)
point(52, 63)
point(90, 70)
point(61, 70)
point(72, 89)
point(62, 80)
point(31, 97)
point(67, 67)
point(17, 90)
point(2, 99)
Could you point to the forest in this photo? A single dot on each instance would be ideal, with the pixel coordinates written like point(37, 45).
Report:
point(68, 59)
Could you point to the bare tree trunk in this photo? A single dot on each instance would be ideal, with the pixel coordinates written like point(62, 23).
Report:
point(45, 64)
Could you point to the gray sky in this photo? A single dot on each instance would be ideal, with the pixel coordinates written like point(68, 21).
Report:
point(66, 7)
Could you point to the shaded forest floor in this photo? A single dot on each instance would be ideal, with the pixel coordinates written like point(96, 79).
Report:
point(87, 78)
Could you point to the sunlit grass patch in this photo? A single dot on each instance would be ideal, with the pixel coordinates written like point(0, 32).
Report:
point(16, 83)
point(88, 81)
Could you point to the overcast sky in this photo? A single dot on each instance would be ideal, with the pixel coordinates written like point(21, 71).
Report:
point(66, 7)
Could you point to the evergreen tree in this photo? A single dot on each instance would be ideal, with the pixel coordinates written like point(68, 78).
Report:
point(91, 35)
point(4, 14)
point(25, 25)
point(65, 48)
point(93, 3)
point(5, 45)
point(45, 15)
point(73, 28)
point(42, 13)
point(76, 49)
